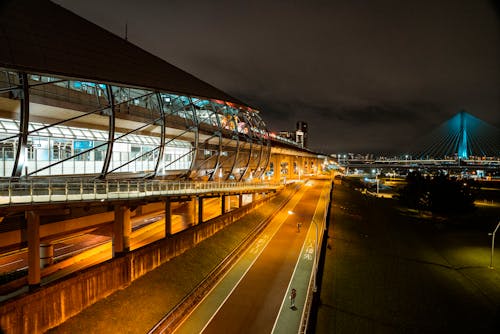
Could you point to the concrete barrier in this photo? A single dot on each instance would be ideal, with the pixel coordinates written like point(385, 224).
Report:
point(50, 305)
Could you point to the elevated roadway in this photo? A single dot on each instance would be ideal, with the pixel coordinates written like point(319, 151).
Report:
point(145, 229)
point(446, 164)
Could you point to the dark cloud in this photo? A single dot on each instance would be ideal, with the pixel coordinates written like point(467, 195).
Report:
point(367, 76)
point(359, 128)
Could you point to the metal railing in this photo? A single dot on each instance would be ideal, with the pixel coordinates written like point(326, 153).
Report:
point(46, 191)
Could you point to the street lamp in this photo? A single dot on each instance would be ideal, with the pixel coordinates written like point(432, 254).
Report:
point(493, 245)
point(316, 246)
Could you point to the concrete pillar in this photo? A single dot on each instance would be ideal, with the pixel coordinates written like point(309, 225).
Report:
point(191, 211)
point(254, 197)
point(168, 217)
point(294, 168)
point(122, 228)
point(289, 169)
point(277, 169)
point(300, 167)
point(200, 210)
point(275, 160)
point(240, 200)
point(46, 254)
point(223, 203)
point(33, 231)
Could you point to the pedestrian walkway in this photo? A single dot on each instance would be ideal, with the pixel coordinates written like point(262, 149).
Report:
point(67, 190)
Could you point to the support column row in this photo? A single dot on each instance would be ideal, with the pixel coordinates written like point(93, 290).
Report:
point(122, 228)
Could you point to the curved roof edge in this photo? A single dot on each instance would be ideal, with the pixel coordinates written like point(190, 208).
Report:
point(41, 36)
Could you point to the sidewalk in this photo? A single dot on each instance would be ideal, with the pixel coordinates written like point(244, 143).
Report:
point(304, 276)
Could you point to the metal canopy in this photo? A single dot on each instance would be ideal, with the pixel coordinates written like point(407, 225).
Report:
point(41, 36)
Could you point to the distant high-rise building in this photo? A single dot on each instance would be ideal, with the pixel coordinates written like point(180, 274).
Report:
point(301, 134)
point(287, 135)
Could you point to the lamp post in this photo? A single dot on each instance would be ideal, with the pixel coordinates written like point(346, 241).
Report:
point(493, 245)
point(316, 245)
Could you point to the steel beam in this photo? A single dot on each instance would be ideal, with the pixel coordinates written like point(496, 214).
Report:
point(196, 139)
point(162, 134)
point(111, 133)
point(24, 113)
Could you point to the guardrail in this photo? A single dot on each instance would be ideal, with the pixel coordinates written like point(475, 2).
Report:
point(320, 221)
point(35, 191)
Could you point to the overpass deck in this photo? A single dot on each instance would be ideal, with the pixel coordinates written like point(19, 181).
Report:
point(427, 164)
point(36, 192)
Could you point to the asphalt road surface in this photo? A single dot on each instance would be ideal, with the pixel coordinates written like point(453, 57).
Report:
point(254, 304)
point(75, 244)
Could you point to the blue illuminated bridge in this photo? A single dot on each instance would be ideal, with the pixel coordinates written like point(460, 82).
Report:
point(462, 143)
point(464, 137)
point(99, 138)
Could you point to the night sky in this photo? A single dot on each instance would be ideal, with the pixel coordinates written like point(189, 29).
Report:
point(368, 76)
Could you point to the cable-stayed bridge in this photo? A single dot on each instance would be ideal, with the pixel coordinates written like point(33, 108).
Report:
point(448, 164)
point(463, 136)
point(463, 142)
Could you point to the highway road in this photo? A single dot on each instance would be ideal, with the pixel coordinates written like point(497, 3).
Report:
point(255, 301)
point(145, 229)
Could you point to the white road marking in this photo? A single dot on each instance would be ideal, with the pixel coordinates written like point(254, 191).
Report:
point(309, 253)
point(8, 264)
point(64, 247)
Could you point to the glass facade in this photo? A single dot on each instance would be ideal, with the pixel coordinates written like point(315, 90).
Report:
point(53, 126)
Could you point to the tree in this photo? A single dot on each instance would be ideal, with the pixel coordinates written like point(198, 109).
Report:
point(438, 194)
